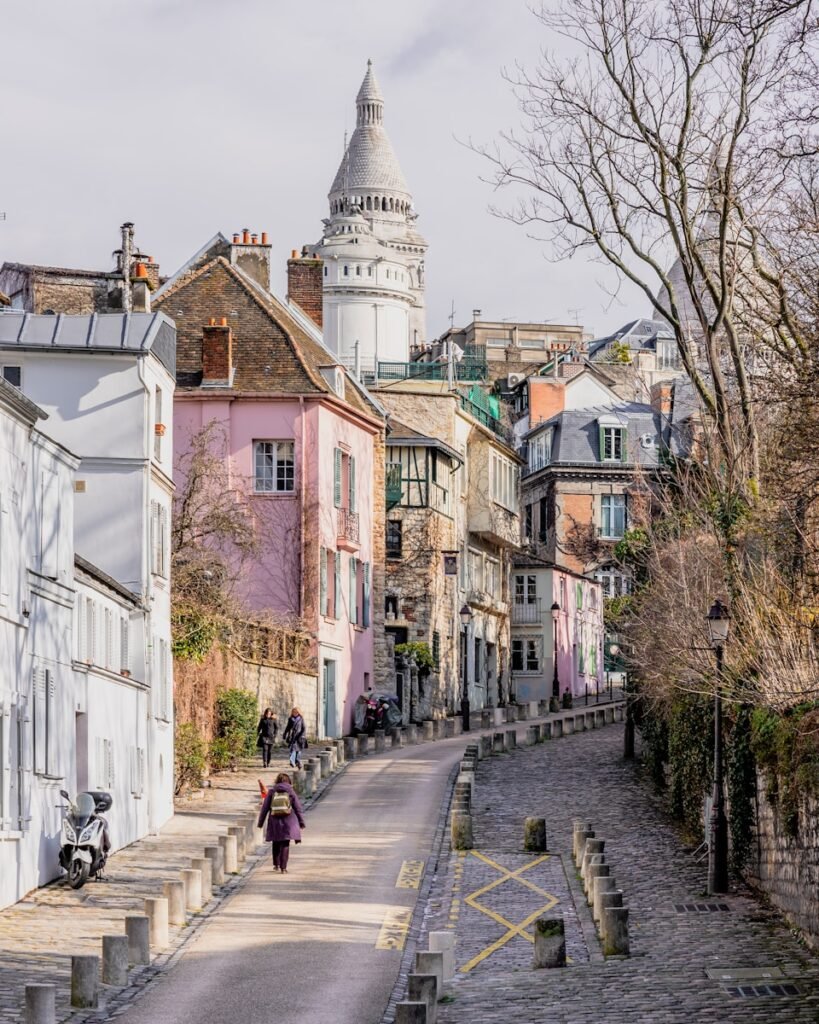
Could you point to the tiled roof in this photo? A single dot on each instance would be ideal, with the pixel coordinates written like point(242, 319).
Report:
point(59, 271)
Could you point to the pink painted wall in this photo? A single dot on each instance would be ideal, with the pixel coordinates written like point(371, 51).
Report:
point(272, 581)
point(578, 626)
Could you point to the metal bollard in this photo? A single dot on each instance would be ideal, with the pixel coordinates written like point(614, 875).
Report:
point(156, 910)
point(40, 1005)
point(85, 972)
point(115, 960)
point(137, 931)
point(174, 893)
point(192, 880)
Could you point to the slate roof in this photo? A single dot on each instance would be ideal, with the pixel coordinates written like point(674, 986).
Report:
point(637, 334)
point(35, 268)
point(90, 332)
point(576, 434)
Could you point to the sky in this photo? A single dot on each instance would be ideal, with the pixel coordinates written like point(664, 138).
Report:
point(190, 117)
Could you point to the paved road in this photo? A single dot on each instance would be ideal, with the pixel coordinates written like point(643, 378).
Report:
point(302, 947)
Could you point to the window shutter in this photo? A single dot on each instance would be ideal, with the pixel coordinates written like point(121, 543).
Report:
point(6, 766)
point(353, 597)
point(337, 581)
point(40, 721)
point(365, 605)
point(323, 581)
point(601, 439)
point(21, 765)
point(337, 478)
point(5, 551)
point(52, 727)
point(124, 644)
point(624, 445)
point(163, 541)
point(351, 482)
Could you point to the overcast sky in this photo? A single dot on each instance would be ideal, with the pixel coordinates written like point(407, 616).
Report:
point(194, 116)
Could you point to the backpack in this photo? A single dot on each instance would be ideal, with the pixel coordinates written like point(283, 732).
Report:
point(280, 805)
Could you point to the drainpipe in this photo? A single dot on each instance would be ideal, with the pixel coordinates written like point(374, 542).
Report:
point(302, 509)
point(148, 641)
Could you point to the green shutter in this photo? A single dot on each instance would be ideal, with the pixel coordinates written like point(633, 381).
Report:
point(351, 504)
point(353, 589)
point(602, 442)
point(337, 581)
point(579, 591)
point(337, 478)
point(323, 580)
point(365, 607)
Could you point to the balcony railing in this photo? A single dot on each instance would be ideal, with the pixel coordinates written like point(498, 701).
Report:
point(487, 419)
point(526, 613)
point(438, 498)
point(466, 370)
point(347, 526)
point(393, 485)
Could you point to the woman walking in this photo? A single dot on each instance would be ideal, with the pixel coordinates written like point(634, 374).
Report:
point(295, 734)
point(266, 732)
point(285, 819)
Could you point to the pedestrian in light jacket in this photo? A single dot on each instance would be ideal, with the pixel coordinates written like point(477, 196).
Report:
point(282, 829)
point(295, 735)
point(266, 731)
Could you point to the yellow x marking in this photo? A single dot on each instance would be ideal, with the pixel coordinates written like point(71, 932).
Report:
point(512, 929)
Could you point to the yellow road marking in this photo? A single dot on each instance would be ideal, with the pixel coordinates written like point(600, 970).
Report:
point(410, 875)
point(511, 929)
point(394, 930)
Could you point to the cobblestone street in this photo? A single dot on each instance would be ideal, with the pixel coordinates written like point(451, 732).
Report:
point(664, 980)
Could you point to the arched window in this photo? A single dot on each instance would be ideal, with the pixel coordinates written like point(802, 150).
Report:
point(346, 271)
point(369, 271)
point(325, 270)
point(369, 202)
point(392, 205)
point(358, 271)
point(384, 204)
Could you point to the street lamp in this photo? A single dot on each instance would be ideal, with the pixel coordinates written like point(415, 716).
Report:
point(614, 651)
point(554, 703)
point(466, 618)
point(719, 621)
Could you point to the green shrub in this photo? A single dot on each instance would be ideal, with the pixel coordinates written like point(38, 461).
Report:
point(420, 651)
point(189, 757)
point(194, 634)
point(236, 719)
point(221, 754)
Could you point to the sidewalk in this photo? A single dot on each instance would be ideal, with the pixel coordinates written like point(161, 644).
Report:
point(489, 896)
point(39, 934)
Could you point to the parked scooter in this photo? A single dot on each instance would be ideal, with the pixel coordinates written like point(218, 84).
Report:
point(84, 840)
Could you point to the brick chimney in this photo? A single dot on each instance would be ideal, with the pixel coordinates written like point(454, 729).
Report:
point(662, 397)
point(546, 399)
point(250, 252)
point(217, 354)
point(305, 284)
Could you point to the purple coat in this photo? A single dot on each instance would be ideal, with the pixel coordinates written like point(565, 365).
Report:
point(281, 827)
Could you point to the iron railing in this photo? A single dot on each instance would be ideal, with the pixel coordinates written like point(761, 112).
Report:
point(526, 613)
point(347, 526)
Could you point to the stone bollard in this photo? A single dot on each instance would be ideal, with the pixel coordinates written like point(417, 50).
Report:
point(459, 726)
point(331, 750)
point(115, 960)
point(228, 844)
point(485, 745)
point(534, 835)
point(596, 869)
point(609, 900)
point(410, 1013)
point(156, 910)
point(192, 880)
point(599, 718)
point(174, 893)
point(362, 745)
point(423, 988)
point(428, 731)
point(40, 1004)
point(438, 729)
point(533, 709)
point(341, 751)
point(313, 764)
point(398, 737)
point(543, 708)
point(609, 715)
point(619, 713)
point(325, 758)
point(522, 712)
point(300, 784)
point(615, 931)
point(511, 739)
point(137, 931)
point(550, 943)
point(581, 830)
point(532, 735)
point(602, 884)
point(85, 972)
point(498, 746)
point(461, 831)
point(412, 734)
point(431, 963)
point(349, 748)
point(589, 720)
point(511, 712)
point(498, 716)
point(568, 725)
point(486, 718)
point(380, 741)
point(444, 942)
point(449, 728)
point(581, 846)
point(557, 728)
point(239, 832)
point(249, 824)
point(593, 846)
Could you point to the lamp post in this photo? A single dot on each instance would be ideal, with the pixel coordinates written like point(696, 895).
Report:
point(466, 618)
point(614, 651)
point(554, 703)
point(719, 621)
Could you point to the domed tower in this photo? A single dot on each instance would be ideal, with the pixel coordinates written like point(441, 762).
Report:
point(373, 255)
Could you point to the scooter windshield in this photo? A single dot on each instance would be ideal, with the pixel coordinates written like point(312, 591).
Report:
point(84, 807)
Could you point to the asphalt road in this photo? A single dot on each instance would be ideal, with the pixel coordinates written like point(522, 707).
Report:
point(301, 948)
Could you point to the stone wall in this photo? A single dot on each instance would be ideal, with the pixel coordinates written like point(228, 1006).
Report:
point(786, 867)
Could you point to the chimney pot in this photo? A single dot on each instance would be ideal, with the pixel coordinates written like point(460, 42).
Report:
point(236, 237)
point(223, 322)
point(264, 238)
point(254, 238)
point(213, 321)
point(294, 254)
point(245, 236)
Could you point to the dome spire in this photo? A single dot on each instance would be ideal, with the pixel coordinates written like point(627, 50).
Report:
point(370, 101)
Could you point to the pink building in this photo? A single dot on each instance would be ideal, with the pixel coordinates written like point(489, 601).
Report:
point(302, 440)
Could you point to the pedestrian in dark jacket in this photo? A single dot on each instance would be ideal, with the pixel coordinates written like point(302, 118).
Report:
point(266, 732)
point(295, 735)
point(282, 829)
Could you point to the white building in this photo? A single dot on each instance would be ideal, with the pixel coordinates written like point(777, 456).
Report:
point(373, 254)
point(106, 382)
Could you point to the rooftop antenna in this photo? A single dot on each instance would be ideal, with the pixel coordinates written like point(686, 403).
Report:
point(450, 362)
point(575, 311)
point(452, 316)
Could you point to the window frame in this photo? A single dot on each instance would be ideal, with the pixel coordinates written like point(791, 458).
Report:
point(612, 503)
point(274, 489)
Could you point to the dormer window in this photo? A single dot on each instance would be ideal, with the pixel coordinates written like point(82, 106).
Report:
point(613, 446)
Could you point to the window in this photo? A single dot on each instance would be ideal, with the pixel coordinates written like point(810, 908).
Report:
point(394, 538)
point(324, 607)
point(336, 583)
point(13, 375)
point(492, 577)
point(532, 343)
point(358, 271)
point(369, 271)
point(613, 515)
point(526, 589)
point(497, 342)
point(137, 769)
point(90, 631)
point(6, 542)
point(526, 654)
point(108, 639)
point(104, 764)
point(614, 583)
point(14, 718)
point(543, 513)
point(325, 270)
point(159, 539)
point(162, 693)
point(365, 596)
point(477, 666)
point(344, 480)
point(528, 528)
point(540, 451)
point(346, 271)
point(612, 444)
point(475, 570)
point(668, 356)
point(503, 482)
point(273, 467)
point(436, 648)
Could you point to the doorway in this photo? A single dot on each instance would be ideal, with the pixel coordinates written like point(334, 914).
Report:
point(329, 698)
point(81, 750)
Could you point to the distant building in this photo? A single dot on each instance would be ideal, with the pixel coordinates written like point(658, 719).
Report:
point(640, 354)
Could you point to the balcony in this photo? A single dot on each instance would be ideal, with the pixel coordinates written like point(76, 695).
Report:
point(466, 370)
point(526, 613)
point(487, 419)
point(347, 530)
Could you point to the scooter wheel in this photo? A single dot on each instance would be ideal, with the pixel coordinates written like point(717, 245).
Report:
point(77, 873)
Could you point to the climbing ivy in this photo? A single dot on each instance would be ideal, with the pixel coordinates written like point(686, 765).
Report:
point(690, 755)
point(741, 789)
point(193, 634)
point(654, 731)
point(787, 751)
point(418, 650)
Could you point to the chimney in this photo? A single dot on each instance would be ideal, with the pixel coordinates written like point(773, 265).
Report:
point(305, 284)
point(252, 255)
point(662, 398)
point(217, 354)
point(140, 289)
